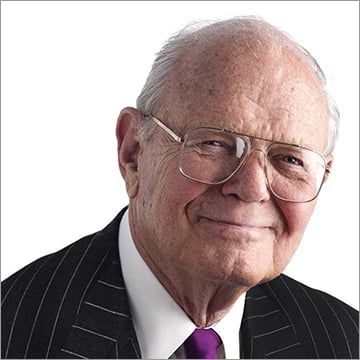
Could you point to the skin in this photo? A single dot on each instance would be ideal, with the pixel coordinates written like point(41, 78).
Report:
point(209, 244)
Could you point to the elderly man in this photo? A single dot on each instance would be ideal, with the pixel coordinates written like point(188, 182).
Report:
point(223, 160)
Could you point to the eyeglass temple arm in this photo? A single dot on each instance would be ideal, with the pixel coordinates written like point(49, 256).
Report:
point(164, 127)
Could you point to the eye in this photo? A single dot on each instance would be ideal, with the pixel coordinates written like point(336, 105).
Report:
point(292, 160)
point(211, 142)
point(218, 146)
point(287, 157)
point(214, 143)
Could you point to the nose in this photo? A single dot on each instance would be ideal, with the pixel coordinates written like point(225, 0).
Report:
point(249, 183)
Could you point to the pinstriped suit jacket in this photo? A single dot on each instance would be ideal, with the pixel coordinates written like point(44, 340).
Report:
point(73, 304)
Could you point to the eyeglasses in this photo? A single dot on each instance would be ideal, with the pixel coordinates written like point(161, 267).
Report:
point(212, 156)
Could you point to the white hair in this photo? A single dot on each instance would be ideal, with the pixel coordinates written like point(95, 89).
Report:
point(240, 29)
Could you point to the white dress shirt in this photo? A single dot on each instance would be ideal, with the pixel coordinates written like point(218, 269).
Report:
point(160, 323)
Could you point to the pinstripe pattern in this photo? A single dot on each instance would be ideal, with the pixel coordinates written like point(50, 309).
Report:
point(19, 306)
point(73, 304)
point(266, 331)
point(321, 320)
point(319, 326)
point(90, 281)
point(41, 303)
point(65, 294)
point(45, 303)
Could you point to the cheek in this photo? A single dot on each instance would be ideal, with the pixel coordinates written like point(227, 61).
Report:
point(163, 191)
point(296, 218)
point(161, 208)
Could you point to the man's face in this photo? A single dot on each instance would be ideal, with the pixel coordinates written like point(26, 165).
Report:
point(237, 232)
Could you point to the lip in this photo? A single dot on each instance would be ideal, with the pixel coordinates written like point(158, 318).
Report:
point(238, 225)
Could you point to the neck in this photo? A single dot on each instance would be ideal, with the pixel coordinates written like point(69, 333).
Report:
point(204, 301)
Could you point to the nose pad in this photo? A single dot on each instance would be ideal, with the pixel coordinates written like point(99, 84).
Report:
point(248, 158)
point(250, 182)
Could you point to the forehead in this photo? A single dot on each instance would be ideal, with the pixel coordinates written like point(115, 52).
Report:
point(248, 89)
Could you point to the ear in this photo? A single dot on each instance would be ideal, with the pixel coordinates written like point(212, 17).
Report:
point(329, 164)
point(128, 148)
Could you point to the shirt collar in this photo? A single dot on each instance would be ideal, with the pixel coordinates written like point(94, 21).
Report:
point(161, 325)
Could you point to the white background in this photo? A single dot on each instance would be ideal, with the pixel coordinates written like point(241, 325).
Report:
point(67, 69)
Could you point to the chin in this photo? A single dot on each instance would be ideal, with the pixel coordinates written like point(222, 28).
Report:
point(244, 279)
point(252, 277)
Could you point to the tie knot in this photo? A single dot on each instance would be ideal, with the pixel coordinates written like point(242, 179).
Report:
point(202, 344)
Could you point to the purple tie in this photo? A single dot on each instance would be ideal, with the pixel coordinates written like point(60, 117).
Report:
point(202, 344)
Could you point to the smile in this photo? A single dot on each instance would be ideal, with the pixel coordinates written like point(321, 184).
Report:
point(235, 225)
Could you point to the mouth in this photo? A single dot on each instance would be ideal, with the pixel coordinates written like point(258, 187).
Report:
point(235, 225)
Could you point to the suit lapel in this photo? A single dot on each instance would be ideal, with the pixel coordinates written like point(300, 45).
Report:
point(266, 330)
point(103, 327)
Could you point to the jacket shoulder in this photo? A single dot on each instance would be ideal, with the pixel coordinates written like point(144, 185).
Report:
point(40, 301)
point(63, 258)
point(328, 326)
